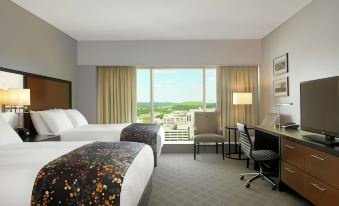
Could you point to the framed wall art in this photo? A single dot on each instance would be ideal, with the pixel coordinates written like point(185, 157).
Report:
point(281, 87)
point(280, 65)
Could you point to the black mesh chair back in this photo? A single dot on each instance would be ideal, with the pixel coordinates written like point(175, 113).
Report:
point(245, 140)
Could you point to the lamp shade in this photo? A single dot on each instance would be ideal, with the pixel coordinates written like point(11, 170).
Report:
point(19, 97)
point(242, 98)
point(3, 97)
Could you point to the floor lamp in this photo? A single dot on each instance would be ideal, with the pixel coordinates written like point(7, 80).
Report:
point(242, 99)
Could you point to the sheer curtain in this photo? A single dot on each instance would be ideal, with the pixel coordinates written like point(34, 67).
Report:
point(232, 79)
point(116, 100)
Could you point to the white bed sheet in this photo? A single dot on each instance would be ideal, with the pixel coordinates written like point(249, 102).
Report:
point(21, 162)
point(105, 133)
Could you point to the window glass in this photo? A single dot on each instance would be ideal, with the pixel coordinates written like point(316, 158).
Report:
point(143, 95)
point(177, 95)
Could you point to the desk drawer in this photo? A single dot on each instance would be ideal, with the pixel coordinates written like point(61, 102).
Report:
point(323, 166)
point(319, 193)
point(292, 176)
point(292, 153)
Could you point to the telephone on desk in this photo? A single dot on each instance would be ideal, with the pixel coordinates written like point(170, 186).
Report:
point(290, 125)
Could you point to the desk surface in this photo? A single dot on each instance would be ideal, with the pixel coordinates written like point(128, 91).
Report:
point(236, 128)
point(297, 136)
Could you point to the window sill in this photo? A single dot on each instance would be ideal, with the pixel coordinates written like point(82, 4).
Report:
point(189, 143)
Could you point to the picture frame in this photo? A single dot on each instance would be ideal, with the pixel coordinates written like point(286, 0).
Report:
point(281, 87)
point(280, 65)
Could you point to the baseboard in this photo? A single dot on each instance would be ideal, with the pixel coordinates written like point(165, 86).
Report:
point(188, 148)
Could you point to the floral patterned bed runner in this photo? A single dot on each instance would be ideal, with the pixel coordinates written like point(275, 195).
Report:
point(143, 133)
point(90, 175)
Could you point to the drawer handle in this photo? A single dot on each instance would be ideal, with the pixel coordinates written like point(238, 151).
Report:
point(317, 186)
point(316, 157)
point(288, 146)
point(291, 171)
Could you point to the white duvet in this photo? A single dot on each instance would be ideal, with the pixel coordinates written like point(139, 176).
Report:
point(104, 132)
point(20, 163)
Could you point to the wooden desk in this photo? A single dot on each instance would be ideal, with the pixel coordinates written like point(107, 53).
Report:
point(309, 168)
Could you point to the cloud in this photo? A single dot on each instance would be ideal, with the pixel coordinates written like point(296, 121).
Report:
point(157, 85)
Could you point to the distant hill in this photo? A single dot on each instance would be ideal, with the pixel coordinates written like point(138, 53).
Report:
point(168, 107)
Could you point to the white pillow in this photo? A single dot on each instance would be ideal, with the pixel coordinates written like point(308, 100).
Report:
point(56, 120)
point(39, 123)
point(11, 118)
point(8, 135)
point(76, 117)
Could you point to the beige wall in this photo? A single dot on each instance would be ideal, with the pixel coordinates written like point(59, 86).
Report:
point(312, 40)
point(213, 52)
point(204, 52)
point(29, 44)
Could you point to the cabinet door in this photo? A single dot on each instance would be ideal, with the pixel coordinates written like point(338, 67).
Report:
point(292, 176)
point(323, 166)
point(293, 153)
point(320, 193)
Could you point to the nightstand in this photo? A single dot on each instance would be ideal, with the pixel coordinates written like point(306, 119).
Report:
point(40, 138)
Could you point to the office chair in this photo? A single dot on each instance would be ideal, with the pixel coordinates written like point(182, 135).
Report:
point(269, 120)
point(207, 129)
point(260, 156)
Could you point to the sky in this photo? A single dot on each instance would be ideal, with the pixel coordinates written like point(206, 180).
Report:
point(176, 85)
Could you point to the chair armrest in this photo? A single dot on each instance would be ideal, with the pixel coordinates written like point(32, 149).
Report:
point(195, 130)
point(220, 131)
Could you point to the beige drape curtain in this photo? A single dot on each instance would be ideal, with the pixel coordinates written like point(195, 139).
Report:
point(116, 100)
point(232, 79)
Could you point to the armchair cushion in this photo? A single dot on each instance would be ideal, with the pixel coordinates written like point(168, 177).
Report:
point(209, 137)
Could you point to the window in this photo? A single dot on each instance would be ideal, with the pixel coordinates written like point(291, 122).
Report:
point(211, 89)
point(176, 94)
point(143, 95)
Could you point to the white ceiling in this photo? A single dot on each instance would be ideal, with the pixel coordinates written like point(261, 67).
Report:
point(164, 19)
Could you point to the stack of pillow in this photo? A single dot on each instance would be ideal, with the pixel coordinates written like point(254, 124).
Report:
point(53, 122)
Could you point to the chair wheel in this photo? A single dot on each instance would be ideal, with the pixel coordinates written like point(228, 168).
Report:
point(247, 185)
point(274, 187)
point(242, 177)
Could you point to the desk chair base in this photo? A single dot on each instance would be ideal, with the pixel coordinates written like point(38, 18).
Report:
point(256, 176)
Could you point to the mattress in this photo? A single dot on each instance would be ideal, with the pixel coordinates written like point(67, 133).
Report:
point(21, 162)
point(104, 132)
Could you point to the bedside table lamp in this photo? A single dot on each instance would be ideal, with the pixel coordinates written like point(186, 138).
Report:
point(242, 99)
point(19, 100)
point(3, 98)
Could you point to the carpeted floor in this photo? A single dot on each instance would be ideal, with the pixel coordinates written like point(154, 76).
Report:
point(179, 180)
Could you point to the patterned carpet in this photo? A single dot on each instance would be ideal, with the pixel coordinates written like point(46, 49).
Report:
point(210, 181)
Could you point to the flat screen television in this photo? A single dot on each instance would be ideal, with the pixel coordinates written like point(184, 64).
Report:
point(319, 107)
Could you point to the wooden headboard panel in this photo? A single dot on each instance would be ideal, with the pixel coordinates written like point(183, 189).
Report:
point(47, 93)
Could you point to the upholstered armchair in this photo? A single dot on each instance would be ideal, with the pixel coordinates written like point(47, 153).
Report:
point(207, 130)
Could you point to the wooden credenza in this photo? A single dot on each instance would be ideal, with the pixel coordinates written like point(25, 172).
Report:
point(309, 168)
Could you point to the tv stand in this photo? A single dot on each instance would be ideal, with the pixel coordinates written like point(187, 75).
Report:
point(326, 140)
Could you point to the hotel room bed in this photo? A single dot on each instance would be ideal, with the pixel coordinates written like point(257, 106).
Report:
point(35, 173)
point(20, 163)
point(71, 125)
